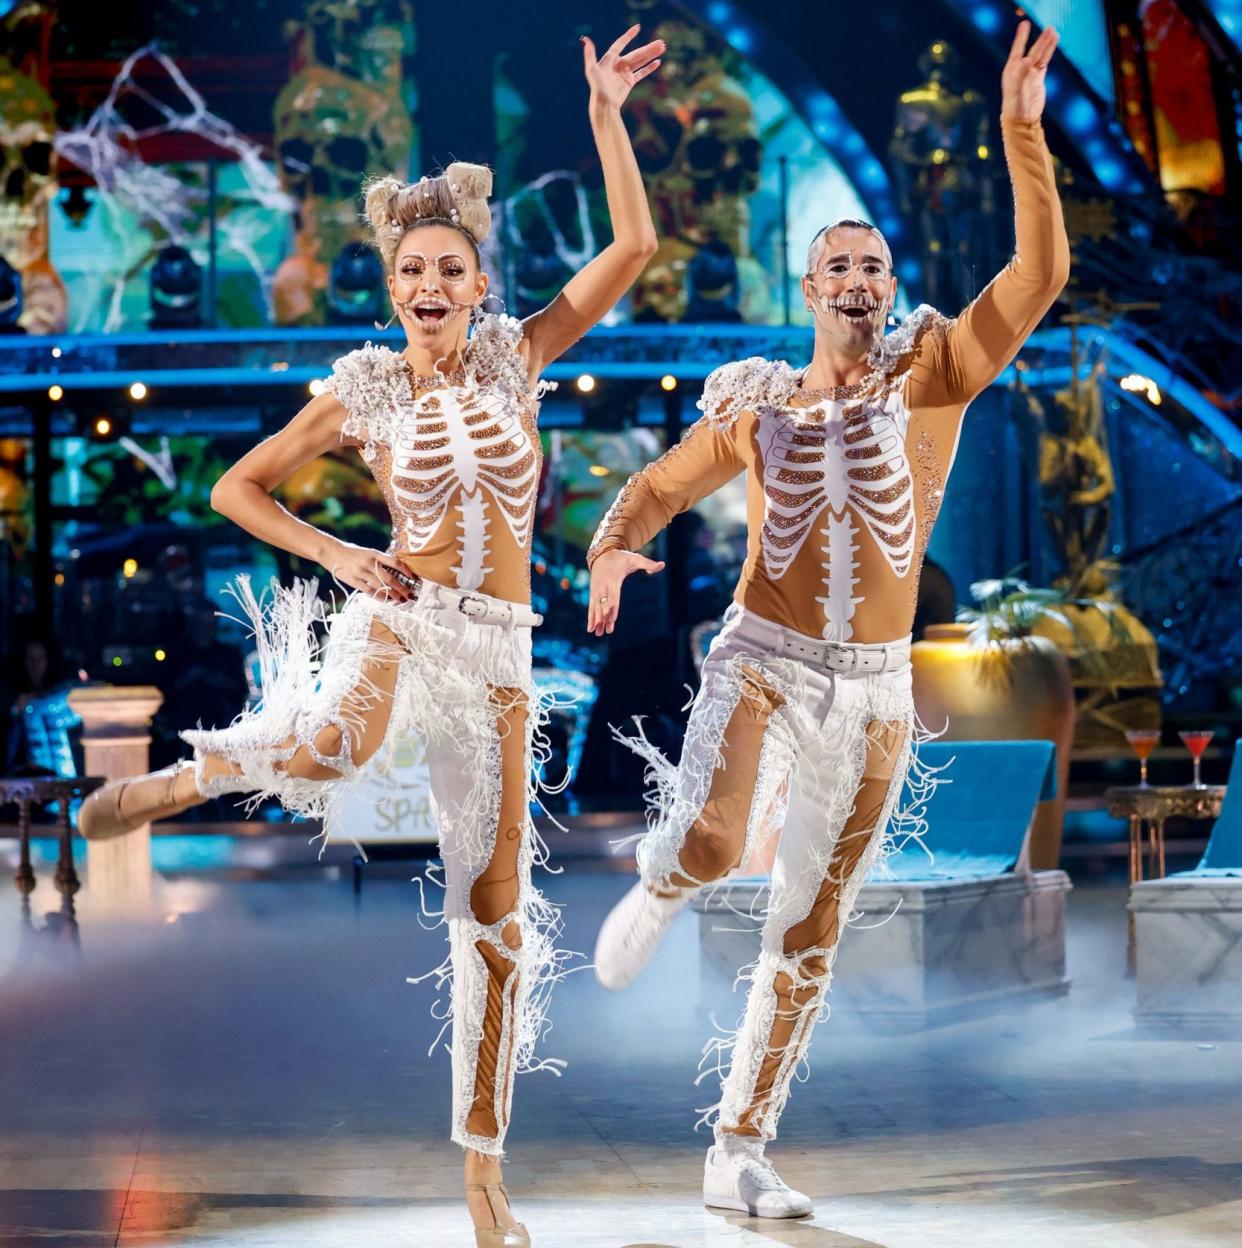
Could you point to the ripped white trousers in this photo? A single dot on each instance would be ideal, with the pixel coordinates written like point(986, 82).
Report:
point(780, 745)
point(335, 711)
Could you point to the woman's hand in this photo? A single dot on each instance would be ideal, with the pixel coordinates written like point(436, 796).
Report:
point(370, 571)
point(612, 76)
point(607, 573)
point(1022, 81)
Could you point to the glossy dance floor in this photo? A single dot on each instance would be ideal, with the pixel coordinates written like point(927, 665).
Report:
point(252, 1069)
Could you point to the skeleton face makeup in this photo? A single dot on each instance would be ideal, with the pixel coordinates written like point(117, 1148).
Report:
point(432, 292)
point(872, 268)
point(450, 265)
point(851, 289)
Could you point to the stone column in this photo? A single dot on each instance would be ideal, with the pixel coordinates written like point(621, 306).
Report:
point(116, 739)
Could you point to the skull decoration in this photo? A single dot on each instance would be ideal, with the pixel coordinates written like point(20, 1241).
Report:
point(335, 123)
point(660, 293)
point(27, 134)
point(359, 38)
point(697, 141)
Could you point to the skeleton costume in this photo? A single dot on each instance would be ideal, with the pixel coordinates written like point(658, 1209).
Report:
point(457, 457)
point(805, 719)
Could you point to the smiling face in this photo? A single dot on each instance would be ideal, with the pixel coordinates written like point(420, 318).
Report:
point(434, 283)
point(850, 287)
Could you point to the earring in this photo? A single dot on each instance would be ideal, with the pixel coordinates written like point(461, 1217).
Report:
point(390, 320)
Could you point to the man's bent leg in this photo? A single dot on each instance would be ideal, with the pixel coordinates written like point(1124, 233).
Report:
point(722, 791)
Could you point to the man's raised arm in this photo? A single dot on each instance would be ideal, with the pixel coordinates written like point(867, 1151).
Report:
point(990, 332)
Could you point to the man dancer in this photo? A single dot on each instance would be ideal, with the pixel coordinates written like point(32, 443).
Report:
point(805, 718)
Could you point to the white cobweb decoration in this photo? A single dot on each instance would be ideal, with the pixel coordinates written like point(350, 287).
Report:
point(106, 149)
point(534, 196)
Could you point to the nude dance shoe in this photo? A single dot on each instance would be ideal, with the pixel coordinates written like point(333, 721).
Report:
point(125, 805)
point(516, 1236)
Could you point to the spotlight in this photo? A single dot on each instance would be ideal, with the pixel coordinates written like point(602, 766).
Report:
point(55, 393)
point(56, 353)
point(102, 426)
point(355, 287)
point(598, 470)
point(668, 382)
point(176, 289)
point(712, 283)
point(160, 656)
point(1136, 383)
point(317, 388)
point(129, 568)
point(76, 205)
point(138, 391)
point(586, 383)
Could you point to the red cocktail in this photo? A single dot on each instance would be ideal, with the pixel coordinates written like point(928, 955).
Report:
point(1196, 741)
point(1142, 742)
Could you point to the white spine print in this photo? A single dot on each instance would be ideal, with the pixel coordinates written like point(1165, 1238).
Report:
point(473, 525)
point(840, 567)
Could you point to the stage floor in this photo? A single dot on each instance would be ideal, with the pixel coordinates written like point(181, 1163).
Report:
point(252, 1069)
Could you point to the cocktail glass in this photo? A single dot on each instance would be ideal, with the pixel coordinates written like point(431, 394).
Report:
point(1196, 741)
point(1142, 742)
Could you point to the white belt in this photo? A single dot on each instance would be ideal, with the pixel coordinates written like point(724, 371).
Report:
point(841, 658)
point(481, 607)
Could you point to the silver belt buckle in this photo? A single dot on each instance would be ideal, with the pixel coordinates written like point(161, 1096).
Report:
point(473, 607)
point(835, 659)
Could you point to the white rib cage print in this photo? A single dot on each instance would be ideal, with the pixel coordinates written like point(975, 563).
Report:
point(455, 445)
point(829, 458)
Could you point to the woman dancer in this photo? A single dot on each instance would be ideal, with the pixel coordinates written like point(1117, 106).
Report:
point(436, 640)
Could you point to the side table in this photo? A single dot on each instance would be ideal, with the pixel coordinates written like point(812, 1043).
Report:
point(1147, 808)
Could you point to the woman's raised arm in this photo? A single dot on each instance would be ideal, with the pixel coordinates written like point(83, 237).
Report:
point(590, 294)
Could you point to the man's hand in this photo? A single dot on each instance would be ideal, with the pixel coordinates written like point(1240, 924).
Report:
point(607, 573)
point(1022, 81)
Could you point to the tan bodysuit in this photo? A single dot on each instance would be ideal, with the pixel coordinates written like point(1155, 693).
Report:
point(457, 461)
point(842, 495)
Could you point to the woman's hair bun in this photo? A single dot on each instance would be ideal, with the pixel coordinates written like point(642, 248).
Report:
point(456, 197)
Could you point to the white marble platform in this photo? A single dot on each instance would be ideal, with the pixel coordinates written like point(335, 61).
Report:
point(1189, 952)
point(917, 953)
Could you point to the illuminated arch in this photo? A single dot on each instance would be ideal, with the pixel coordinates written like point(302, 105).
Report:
point(860, 165)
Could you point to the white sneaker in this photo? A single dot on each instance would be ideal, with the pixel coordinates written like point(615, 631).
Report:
point(739, 1176)
point(631, 933)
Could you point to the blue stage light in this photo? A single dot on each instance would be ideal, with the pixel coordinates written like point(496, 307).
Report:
point(987, 17)
point(1109, 172)
point(909, 271)
point(1078, 115)
point(740, 38)
point(719, 12)
point(872, 173)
